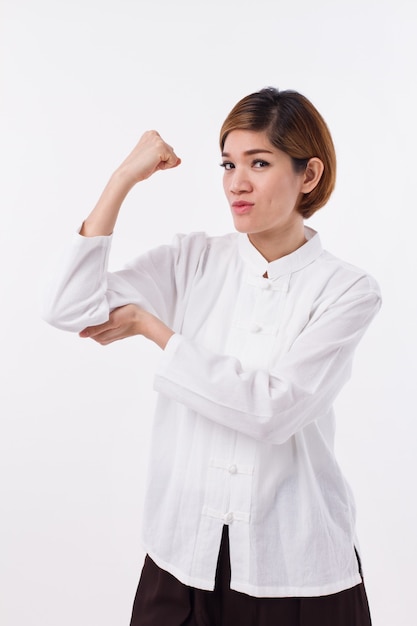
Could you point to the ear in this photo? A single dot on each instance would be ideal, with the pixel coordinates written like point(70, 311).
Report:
point(312, 174)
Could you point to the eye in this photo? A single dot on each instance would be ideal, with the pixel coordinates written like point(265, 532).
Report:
point(259, 163)
point(227, 165)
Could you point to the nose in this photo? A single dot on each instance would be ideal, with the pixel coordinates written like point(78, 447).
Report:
point(239, 182)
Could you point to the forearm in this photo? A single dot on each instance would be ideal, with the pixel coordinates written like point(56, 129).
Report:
point(102, 218)
point(150, 155)
point(272, 404)
point(150, 326)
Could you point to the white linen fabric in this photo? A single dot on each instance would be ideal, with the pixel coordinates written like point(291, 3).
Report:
point(244, 427)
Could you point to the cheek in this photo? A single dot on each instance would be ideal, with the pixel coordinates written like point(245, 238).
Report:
point(286, 189)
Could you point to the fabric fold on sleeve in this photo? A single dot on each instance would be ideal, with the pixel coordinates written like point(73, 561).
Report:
point(83, 293)
point(271, 405)
point(75, 295)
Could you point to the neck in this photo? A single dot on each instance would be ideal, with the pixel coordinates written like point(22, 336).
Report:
point(275, 246)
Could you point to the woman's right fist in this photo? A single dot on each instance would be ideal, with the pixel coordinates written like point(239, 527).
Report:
point(149, 155)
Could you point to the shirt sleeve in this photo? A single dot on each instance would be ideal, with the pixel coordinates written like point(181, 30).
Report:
point(83, 292)
point(300, 388)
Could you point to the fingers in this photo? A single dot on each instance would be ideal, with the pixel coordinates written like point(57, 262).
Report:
point(153, 154)
point(93, 331)
point(168, 158)
point(102, 334)
point(121, 324)
point(105, 336)
point(165, 154)
point(127, 321)
point(171, 161)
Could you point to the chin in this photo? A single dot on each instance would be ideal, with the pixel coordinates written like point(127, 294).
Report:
point(241, 230)
point(240, 227)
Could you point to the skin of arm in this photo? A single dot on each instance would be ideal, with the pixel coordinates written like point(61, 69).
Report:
point(127, 321)
point(151, 154)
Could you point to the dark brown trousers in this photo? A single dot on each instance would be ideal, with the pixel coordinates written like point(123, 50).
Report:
point(161, 600)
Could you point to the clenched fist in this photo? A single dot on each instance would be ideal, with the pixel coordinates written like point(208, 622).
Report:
point(149, 155)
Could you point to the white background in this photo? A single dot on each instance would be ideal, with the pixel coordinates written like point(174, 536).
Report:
point(80, 81)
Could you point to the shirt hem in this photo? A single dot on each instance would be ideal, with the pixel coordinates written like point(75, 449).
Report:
point(190, 581)
point(257, 591)
point(296, 592)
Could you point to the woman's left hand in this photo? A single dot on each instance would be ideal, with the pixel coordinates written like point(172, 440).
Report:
point(127, 321)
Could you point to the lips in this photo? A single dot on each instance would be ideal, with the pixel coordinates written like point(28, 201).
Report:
point(240, 207)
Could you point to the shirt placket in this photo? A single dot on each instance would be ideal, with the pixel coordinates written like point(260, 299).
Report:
point(258, 313)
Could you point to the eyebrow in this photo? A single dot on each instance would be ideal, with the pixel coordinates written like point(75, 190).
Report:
point(250, 152)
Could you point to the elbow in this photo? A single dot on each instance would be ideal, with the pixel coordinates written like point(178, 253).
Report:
point(59, 320)
point(285, 420)
point(72, 319)
point(271, 430)
point(274, 422)
point(51, 314)
point(282, 419)
point(273, 425)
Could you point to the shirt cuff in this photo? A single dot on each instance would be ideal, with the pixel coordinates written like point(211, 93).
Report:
point(168, 354)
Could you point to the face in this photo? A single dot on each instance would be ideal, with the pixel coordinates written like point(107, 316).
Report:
point(261, 186)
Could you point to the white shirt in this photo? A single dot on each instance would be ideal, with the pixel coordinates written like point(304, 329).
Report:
point(244, 426)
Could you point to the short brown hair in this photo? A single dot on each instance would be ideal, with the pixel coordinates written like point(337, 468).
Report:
point(294, 126)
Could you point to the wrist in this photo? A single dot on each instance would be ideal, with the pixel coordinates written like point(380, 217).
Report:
point(152, 328)
point(122, 180)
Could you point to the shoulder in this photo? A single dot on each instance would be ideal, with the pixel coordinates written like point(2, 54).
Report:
point(330, 277)
point(185, 249)
point(200, 239)
point(201, 245)
point(346, 273)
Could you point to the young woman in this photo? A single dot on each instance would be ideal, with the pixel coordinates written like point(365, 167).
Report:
point(247, 519)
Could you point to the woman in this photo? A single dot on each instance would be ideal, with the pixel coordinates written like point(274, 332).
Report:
point(258, 330)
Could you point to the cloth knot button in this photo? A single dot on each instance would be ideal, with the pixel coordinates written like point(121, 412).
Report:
point(232, 469)
point(228, 518)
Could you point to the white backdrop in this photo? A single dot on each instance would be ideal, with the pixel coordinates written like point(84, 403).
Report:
point(80, 81)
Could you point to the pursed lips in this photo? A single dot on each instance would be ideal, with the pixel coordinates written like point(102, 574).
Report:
point(241, 207)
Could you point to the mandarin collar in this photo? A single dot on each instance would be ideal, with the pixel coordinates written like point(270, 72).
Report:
point(287, 264)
